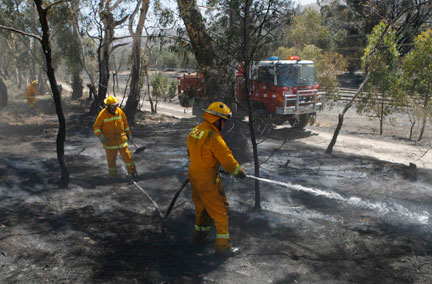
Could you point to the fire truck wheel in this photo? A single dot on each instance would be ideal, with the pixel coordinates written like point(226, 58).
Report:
point(299, 122)
point(262, 122)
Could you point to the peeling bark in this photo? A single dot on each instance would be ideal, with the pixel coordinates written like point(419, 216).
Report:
point(135, 86)
point(202, 47)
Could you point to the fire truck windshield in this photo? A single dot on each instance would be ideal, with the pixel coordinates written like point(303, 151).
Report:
point(296, 75)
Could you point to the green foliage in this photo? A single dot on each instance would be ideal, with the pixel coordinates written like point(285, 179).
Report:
point(19, 52)
point(167, 58)
point(347, 31)
point(417, 66)
point(307, 29)
point(383, 73)
point(383, 60)
point(172, 90)
point(416, 78)
point(67, 45)
point(160, 87)
point(246, 30)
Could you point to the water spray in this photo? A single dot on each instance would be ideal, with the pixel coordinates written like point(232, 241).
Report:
point(422, 218)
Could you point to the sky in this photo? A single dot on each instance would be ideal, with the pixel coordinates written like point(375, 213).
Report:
point(305, 2)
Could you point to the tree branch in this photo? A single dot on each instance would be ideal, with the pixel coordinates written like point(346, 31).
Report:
point(21, 32)
point(132, 18)
point(118, 45)
point(55, 3)
point(121, 37)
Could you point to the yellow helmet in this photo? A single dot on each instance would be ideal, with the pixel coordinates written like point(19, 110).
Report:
point(111, 101)
point(34, 82)
point(219, 109)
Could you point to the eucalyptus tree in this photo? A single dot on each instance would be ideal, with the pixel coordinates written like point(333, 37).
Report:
point(202, 46)
point(396, 18)
point(347, 31)
point(20, 53)
point(45, 40)
point(318, 46)
point(379, 90)
point(417, 76)
point(368, 13)
point(111, 15)
point(136, 70)
point(67, 40)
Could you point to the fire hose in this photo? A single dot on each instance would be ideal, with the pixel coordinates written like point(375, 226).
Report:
point(149, 198)
point(183, 185)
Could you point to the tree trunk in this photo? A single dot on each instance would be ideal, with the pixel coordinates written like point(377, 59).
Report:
point(77, 81)
point(104, 51)
point(381, 118)
point(42, 82)
point(152, 107)
point(75, 30)
point(77, 85)
point(202, 47)
point(329, 149)
point(135, 86)
point(61, 135)
point(103, 75)
point(3, 94)
point(257, 206)
point(425, 107)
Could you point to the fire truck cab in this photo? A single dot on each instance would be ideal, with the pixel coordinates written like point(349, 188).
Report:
point(282, 90)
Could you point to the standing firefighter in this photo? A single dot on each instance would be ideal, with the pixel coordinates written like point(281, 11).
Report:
point(207, 152)
point(31, 93)
point(113, 130)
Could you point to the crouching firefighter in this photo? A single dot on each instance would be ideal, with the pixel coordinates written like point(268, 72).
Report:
point(207, 151)
point(112, 129)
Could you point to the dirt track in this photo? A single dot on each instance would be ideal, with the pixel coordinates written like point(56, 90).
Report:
point(361, 215)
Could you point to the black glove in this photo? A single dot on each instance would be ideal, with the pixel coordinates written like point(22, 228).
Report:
point(102, 139)
point(240, 174)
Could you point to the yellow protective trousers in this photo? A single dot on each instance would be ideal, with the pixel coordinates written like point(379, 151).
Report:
point(111, 155)
point(31, 100)
point(211, 203)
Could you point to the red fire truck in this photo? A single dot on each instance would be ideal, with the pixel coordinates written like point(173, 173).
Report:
point(280, 91)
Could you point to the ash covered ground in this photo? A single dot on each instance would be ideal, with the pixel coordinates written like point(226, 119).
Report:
point(360, 215)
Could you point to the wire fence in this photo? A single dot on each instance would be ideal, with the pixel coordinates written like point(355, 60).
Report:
point(346, 94)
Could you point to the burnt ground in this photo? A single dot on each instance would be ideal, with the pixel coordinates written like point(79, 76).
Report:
point(341, 218)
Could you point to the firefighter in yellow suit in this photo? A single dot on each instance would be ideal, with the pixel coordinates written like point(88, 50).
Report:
point(31, 93)
point(113, 130)
point(207, 152)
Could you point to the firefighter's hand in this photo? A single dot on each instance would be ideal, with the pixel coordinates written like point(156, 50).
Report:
point(241, 174)
point(102, 139)
point(129, 137)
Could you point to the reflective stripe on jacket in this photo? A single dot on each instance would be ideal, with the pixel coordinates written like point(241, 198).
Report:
point(113, 126)
point(207, 151)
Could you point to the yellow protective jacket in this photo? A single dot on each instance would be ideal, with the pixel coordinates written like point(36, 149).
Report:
point(114, 127)
point(31, 91)
point(207, 152)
